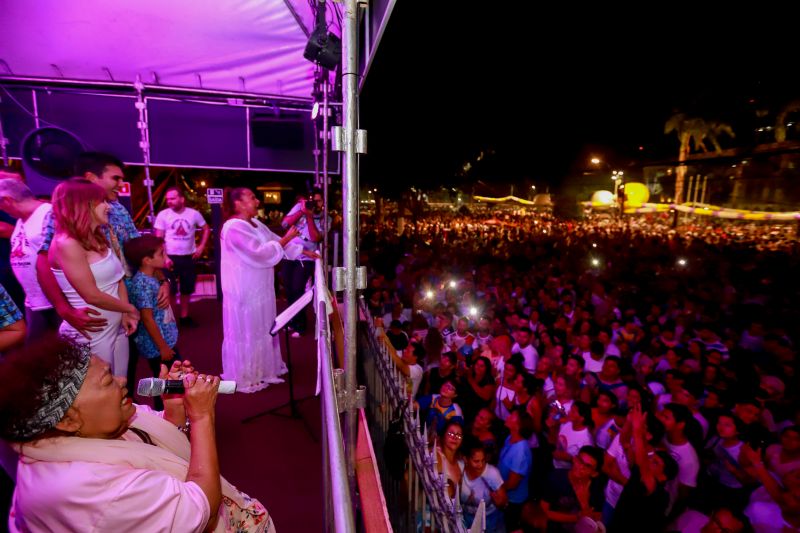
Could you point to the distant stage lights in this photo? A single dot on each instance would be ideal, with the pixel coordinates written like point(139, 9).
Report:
point(473, 311)
point(594, 245)
point(429, 294)
point(682, 262)
point(595, 262)
point(453, 284)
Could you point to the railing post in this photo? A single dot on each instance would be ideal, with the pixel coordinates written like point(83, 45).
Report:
point(341, 502)
point(350, 204)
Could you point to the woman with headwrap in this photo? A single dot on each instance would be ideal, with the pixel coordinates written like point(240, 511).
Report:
point(90, 460)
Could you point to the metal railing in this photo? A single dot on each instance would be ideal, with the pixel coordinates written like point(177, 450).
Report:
point(421, 496)
point(338, 504)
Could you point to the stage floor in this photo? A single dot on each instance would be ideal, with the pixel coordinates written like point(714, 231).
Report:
point(271, 458)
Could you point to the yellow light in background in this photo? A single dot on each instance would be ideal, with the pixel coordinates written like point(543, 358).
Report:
point(202, 183)
point(636, 193)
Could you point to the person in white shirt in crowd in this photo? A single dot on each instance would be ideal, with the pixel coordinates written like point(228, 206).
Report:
point(595, 357)
point(407, 362)
point(481, 481)
point(676, 418)
point(484, 334)
point(398, 313)
point(30, 234)
point(523, 345)
point(178, 225)
point(307, 217)
point(462, 335)
point(575, 432)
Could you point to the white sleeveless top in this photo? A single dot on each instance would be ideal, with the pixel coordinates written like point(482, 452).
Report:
point(107, 273)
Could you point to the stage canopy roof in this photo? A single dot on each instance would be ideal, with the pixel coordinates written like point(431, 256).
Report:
point(225, 83)
point(248, 46)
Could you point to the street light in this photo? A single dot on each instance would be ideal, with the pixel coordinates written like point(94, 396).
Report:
point(616, 176)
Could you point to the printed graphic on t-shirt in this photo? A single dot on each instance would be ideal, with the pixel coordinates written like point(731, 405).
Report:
point(180, 228)
point(19, 243)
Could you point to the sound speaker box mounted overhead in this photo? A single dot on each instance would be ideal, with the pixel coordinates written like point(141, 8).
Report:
point(48, 158)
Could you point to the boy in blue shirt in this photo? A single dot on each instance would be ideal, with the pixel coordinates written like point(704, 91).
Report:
point(157, 334)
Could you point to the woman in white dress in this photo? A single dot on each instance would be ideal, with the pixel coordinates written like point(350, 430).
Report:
point(89, 273)
point(250, 251)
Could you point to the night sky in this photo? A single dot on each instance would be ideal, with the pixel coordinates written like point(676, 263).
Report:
point(544, 91)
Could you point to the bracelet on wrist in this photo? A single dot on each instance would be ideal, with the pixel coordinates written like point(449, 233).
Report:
point(184, 428)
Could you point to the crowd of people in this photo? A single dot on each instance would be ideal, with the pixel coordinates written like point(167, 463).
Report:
point(620, 373)
point(96, 294)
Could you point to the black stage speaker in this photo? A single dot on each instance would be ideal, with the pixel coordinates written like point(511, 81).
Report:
point(48, 158)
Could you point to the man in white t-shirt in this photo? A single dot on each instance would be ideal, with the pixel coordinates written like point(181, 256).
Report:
point(177, 226)
point(595, 357)
point(32, 231)
point(675, 417)
point(524, 346)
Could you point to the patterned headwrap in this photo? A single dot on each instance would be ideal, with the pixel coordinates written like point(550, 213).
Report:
point(56, 393)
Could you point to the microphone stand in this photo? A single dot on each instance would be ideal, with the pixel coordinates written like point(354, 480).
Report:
point(282, 323)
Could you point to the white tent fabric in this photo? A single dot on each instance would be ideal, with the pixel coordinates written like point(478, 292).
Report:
point(248, 46)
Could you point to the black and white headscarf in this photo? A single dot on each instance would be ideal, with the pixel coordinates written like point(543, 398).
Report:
point(56, 394)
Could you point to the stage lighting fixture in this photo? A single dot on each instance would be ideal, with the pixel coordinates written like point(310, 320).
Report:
point(323, 48)
point(315, 111)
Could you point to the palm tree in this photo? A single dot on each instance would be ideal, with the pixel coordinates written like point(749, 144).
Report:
point(693, 132)
point(780, 120)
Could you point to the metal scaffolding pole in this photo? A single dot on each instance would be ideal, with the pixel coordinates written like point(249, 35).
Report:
point(144, 143)
point(350, 212)
point(325, 146)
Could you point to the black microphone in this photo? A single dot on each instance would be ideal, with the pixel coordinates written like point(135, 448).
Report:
point(157, 387)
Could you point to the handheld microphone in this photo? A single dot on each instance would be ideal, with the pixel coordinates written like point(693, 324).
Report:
point(157, 387)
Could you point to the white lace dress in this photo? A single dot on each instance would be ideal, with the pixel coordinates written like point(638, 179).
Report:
point(250, 355)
